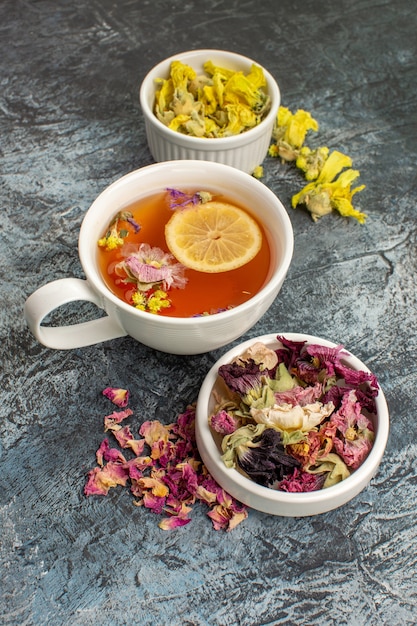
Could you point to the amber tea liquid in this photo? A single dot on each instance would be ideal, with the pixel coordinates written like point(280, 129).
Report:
point(204, 292)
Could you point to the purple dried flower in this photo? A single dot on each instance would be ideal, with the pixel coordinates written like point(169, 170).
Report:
point(264, 458)
point(241, 378)
point(179, 199)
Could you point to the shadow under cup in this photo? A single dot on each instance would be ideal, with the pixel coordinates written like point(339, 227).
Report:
point(173, 335)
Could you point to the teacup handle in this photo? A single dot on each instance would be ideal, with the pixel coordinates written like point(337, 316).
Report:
point(57, 293)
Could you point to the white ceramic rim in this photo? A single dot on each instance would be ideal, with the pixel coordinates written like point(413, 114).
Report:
point(159, 71)
point(350, 484)
point(86, 254)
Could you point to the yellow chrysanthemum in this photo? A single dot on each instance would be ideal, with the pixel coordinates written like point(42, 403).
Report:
point(164, 94)
point(209, 99)
point(240, 118)
point(273, 150)
point(239, 88)
point(153, 303)
point(178, 121)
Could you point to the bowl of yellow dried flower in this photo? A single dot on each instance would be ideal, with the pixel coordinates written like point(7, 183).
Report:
point(291, 424)
point(210, 105)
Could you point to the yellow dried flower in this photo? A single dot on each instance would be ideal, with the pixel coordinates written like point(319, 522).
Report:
point(180, 75)
point(328, 188)
point(139, 300)
point(273, 150)
point(157, 301)
point(290, 132)
point(111, 241)
point(152, 303)
point(311, 161)
point(258, 172)
point(333, 165)
point(219, 104)
point(328, 192)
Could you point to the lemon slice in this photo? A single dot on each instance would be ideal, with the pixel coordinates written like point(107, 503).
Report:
point(213, 237)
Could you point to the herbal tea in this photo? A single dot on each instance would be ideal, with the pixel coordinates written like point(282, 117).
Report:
point(151, 249)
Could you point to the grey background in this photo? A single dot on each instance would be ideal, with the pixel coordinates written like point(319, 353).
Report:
point(70, 124)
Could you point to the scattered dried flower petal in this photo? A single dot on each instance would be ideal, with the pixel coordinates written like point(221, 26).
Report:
point(170, 479)
point(170, 523)
point(258, 172)
point(100, 480)
point(112, 422)
point(119, 397)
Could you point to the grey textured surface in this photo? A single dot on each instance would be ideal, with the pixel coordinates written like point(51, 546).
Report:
point(70, 124)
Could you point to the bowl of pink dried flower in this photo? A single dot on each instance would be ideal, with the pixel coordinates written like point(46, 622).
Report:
point(291, 424)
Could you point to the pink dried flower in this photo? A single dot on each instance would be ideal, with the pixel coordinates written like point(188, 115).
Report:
point(149, 266)
point(136, 445)
point(355, 435)
point(94, 486)
point(119, 397)
point(100, 480)
point(205, 495)
point(105, 453)
point(153, 502)
point(184, 426)
point(123, 435)
point(155, 485)
point(163, 451)
point(112, 422)
point(125, 439)
point(154, 431)
point(301, 482)
point(300, 395)
point(226, 518)
point(224, 423)
point(139, 464)
point(169, 523)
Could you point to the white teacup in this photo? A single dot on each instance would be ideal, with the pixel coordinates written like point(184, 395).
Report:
point(194, 335)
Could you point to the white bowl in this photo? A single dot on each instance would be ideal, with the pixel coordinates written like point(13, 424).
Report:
point(244, 151)
point(280, 502)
